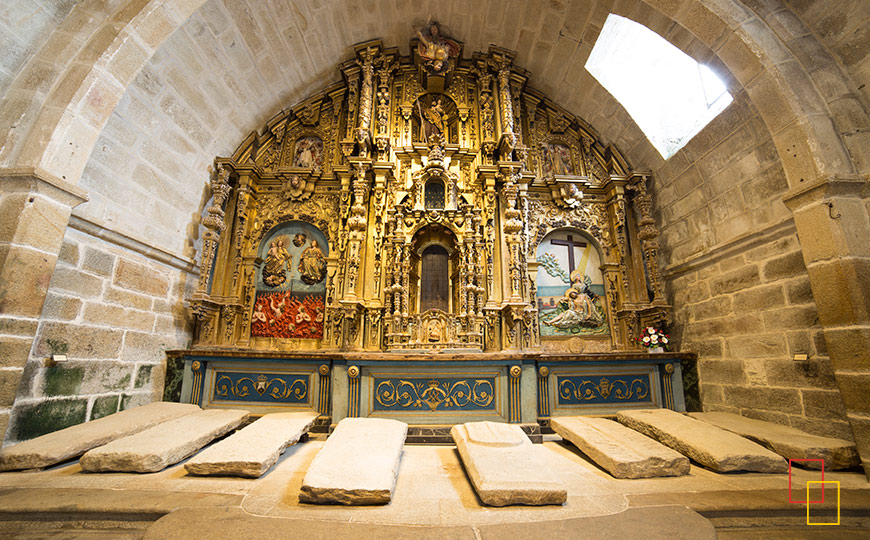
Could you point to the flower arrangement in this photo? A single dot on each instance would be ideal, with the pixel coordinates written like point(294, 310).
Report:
point(651, 337)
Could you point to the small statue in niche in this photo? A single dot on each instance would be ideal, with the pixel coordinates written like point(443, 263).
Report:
point(275, 266)
point(433, 331)
point(312, 264)
point(433, 119)
point(436, 50)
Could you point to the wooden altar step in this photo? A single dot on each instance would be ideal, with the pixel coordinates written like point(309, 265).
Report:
point(440, 434)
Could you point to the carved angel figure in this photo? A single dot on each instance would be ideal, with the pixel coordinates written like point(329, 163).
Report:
point(274, 268)
point(436, 50)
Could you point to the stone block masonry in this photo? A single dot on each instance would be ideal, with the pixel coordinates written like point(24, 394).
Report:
point(737, 280)
point(113, 312)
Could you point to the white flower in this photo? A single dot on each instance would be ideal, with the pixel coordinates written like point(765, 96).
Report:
point(664, 340)
point(646, 340)
point(655, 339)
point(651, 330)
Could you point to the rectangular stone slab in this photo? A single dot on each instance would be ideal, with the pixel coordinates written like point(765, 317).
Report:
point(623, 452)
point(504, 466)
point(710, 446)
point(74, 441)
point(252, 450)
point(787, 441)
point(358, 464)
point(163, 445)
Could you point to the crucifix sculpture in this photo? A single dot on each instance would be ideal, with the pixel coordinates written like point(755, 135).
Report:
point(570, 244)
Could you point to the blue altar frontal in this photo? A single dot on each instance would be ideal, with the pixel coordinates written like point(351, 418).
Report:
point(434, 388)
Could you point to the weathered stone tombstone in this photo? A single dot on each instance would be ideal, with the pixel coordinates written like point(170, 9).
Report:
point(622, 451)
point(787, 441)
point(358, 464)
point(160, 446)
point(706, 444)
point(254, 449)
point(504, 466)
point(74, 441)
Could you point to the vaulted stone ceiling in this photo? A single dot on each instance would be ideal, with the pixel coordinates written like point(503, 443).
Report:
point(212, 72)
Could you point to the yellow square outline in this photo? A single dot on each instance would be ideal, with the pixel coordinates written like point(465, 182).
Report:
point(823, 487)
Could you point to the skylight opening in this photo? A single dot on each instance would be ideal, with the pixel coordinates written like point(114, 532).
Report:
point(670, 95)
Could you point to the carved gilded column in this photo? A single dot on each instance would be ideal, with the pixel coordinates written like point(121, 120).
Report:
point(648, 234)
point(364, 120)
point(214, 226)
point(385, 79)
point(356, 225)
point(487, 120)
point(508, 140)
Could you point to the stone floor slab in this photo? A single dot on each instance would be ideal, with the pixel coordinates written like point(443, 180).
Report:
point(622, 451)
point(504, 466)
point(708, 445)
point(787, 441)
point(74, 441)
point(358, 464)
point(162, 445)
point(254, 449)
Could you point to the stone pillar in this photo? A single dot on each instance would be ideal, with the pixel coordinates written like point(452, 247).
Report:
point(831, 216)
point(34, 212)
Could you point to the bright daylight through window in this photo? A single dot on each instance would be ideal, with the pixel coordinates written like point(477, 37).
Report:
point(670, 95)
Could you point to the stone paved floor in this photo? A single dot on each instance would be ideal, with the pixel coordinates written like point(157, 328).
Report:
point(432, 489)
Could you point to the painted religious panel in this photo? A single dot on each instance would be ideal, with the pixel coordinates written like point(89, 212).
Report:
point(291, 283)
point(570, 292)
point(556, 160)
point(308, 153)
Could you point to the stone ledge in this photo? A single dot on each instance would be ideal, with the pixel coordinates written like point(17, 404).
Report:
point(41, 181)
point(96, 230)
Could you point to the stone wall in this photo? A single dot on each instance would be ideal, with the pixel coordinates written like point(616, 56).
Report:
point(737, 279)
point(25, 26)
point(113, 312)
point(840, 40)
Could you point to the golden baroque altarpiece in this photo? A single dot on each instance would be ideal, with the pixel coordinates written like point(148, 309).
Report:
point(427, 203)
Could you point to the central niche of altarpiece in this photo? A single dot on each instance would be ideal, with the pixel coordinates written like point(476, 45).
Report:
point(429, 202)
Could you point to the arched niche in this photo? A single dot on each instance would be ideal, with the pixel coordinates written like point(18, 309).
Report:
point(435, 266)
point(426, 109)
point(570, 288)
point(291, 283)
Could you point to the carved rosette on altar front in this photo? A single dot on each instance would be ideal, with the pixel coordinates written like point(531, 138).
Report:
point(427, 202)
